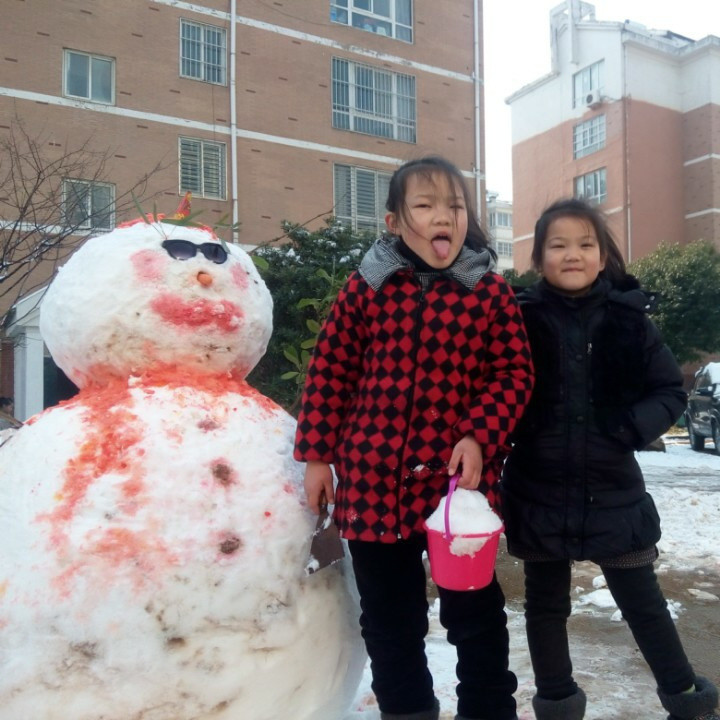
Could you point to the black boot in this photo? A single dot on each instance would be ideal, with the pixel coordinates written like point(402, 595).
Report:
point(432, 714)
point(569, 708)
point(698, 705)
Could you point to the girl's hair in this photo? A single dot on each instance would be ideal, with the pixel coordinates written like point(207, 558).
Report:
point(573, 207)
point(427, 167)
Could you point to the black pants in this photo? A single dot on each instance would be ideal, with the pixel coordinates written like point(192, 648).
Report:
point(639, 598)
point(394, 620)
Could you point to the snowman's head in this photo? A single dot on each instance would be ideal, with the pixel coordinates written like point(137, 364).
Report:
point(151, 296)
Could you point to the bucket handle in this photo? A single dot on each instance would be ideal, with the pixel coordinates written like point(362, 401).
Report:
point(451, 489)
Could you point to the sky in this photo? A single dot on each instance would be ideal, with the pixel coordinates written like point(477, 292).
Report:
point(517, 51)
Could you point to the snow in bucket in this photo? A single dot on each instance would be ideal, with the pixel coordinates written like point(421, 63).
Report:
point(463, 537)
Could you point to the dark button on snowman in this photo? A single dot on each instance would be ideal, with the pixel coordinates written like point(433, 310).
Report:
point(154, 529)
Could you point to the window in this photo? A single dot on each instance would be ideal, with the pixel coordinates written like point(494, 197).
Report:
point(88, 205)
point(500, 219)
point(591, 187)
point(384, 17)
point(89, 77)
point(504, 248)
point(203, 52)
point(589, 78)
point(360, 197)
point(202, 168)
point(589, 136)
point(371, 101)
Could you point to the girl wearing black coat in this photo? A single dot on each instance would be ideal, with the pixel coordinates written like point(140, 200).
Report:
point(606, 385)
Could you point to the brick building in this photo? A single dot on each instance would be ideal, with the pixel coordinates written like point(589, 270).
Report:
point(264, 110)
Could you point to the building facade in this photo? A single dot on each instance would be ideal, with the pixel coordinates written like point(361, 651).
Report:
point(264, 111)
point(500, 225)
point(628, 119)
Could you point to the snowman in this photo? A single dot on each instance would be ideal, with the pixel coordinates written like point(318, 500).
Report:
point(155, 535)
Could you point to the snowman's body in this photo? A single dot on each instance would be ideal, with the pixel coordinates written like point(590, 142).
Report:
point(155, 536)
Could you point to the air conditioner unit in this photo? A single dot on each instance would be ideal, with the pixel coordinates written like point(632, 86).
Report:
point(593, 98)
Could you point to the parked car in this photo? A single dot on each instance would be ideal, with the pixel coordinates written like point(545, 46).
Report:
point(702, 417)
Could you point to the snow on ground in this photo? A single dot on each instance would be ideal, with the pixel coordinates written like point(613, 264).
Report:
point(686, 488)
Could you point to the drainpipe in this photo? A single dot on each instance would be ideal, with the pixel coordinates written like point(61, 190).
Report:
point(626, 152)
point(233, 120)
point(476, 84)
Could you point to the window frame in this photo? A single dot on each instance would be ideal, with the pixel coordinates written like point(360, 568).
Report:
point(204, 46)
point(355, 220)
point(500, 219)
point(591, 77)
point(593, 138)
point(601, 177)
point(347, 93)
point(365, 15)
point(67, 53)
point(90, 211)
point(200, 190)
point(503, 248)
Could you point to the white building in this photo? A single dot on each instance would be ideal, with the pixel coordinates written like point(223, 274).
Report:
point(627, 118)
point(500, 225)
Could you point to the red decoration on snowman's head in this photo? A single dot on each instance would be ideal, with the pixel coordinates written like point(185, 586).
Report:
point(183, 208)
point(182, 213)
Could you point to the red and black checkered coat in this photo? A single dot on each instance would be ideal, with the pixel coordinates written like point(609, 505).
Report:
point(398, 377)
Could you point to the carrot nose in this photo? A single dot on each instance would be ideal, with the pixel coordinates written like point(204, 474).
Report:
point(204, 278)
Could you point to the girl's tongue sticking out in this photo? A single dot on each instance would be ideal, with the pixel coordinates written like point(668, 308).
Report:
point(441, 247)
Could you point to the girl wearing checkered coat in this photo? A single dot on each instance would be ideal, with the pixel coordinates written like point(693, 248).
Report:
point(422, 369)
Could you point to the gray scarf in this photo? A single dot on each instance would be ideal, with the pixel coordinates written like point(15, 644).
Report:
point(384, 259)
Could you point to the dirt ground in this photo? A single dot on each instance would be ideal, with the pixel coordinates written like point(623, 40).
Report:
point(698, 620)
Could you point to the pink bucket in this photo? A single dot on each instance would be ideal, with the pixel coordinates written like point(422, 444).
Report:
point(461, 572)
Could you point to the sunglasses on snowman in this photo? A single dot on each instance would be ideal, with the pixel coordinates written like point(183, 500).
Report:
point(184, 250)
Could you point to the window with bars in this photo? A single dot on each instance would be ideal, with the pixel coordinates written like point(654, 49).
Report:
point(589, 136)
point(586, 80)
point(202, 168)
point(392, 18)
point(372, 101)
point(89, 77)
point(359, 197)
point(592, 186)
point(88, 205)
point(203, 53)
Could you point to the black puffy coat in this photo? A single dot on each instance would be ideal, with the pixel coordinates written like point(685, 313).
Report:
point(606, 385)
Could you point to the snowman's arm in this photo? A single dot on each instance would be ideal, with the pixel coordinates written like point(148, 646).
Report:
point(6, 434)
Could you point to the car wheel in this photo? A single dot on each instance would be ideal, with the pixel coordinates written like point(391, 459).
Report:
point(716, 437)
point(697, 442)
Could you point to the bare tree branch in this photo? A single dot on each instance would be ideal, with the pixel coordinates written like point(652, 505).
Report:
point(44, 200)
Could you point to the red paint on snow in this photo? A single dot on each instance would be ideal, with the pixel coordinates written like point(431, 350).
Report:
point(111, 434)
point(222, 314)
point(149, 265)
point(120, 548)
point(117, 545)
point(240, 276)
point(159, 217)
point(217, 384)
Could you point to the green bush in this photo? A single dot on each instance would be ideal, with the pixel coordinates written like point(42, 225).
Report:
point(303, 275)
point(687, 280)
